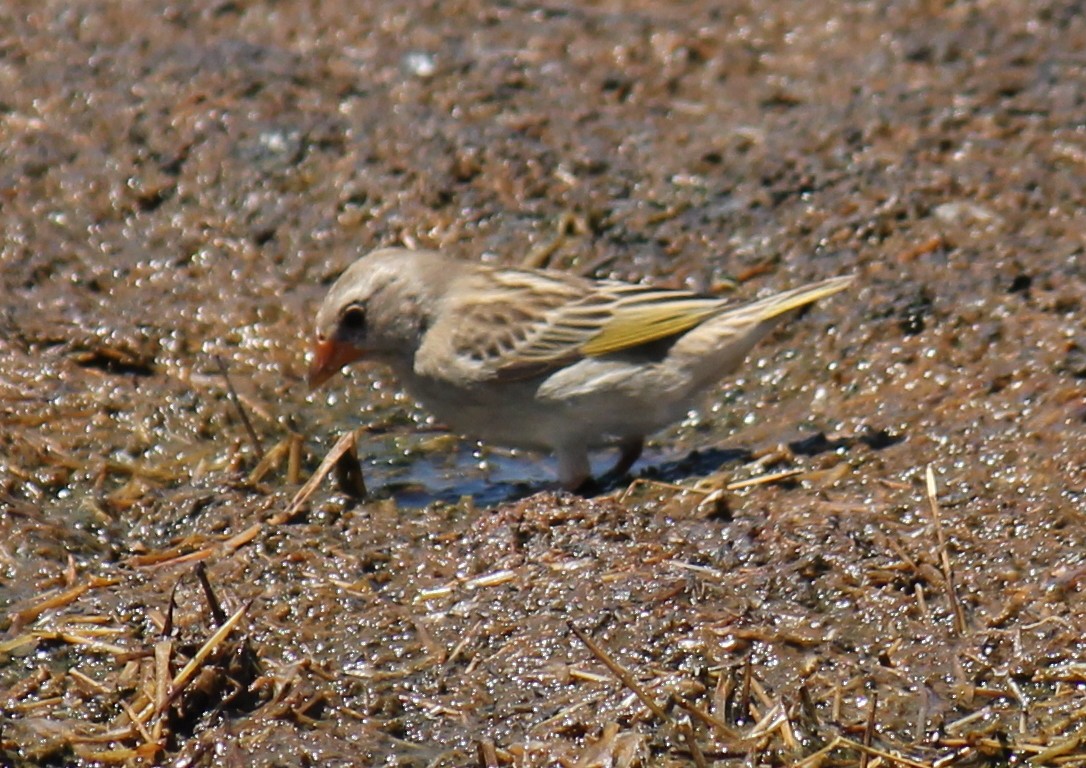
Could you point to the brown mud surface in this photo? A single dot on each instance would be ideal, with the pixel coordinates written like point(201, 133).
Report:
point(180, 182)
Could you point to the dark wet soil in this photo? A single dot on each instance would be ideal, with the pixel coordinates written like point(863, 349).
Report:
point(182, 181)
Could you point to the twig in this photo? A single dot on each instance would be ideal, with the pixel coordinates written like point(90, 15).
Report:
point(241, 411)
point(744, 691)
point(948, 573)
point(870, 729)
point(217, 612)
point(167, 624)
point(349, 478)
point(621, 673)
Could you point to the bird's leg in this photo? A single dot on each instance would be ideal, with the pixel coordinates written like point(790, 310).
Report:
point(630, 448)
point(574, 470)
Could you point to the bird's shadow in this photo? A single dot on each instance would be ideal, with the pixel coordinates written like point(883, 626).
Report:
point(487, 491)
point(700, 463)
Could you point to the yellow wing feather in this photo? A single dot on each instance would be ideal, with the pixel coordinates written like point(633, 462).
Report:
point(640, 325)
point(637, 324)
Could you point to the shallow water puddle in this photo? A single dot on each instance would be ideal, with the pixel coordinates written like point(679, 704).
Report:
point(466, 468)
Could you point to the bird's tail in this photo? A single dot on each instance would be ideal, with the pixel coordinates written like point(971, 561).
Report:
point(717, 346)
point(780, 303)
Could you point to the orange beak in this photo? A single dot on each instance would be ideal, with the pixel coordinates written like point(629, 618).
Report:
point(329, 356)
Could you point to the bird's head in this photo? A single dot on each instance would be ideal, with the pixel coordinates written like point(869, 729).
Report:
point(378, 309)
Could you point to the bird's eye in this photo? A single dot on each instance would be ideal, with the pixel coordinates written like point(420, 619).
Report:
point(354, 318)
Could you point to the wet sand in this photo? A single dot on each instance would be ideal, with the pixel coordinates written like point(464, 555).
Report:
point(181, 183)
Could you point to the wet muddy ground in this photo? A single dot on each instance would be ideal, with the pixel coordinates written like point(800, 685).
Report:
point(784, 584)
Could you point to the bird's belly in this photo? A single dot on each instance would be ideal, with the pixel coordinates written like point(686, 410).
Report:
point(516, 424)
point(545, 414)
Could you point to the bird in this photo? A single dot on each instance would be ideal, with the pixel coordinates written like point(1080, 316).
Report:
point(537, 358)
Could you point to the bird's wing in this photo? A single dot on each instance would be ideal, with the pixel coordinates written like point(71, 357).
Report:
point(514, 324)
point(641, 314)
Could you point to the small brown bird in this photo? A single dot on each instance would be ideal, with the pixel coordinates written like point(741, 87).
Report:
point(540, 359)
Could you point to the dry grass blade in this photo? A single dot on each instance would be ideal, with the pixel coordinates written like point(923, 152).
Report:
point(243, 538)
point(944, 557)
point(1060, 749)
point(892, 757)
point(687, 731)
point(540, 255)
point(712, 721)
point(344, 444)
point(271, 460)
point(24, 687)
point(639, 482)
point(294, 460)
point(171, 557)
point(774, 477)
point(182, 678)
point(163, 654)
point(87, 643)
point(107, 756)
point(156, 558)
point(15, 643)
point(817, 758)
point(137, 724)
point(488, 755)
point(59, 600)
point(774, 718)
point(600, 751)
